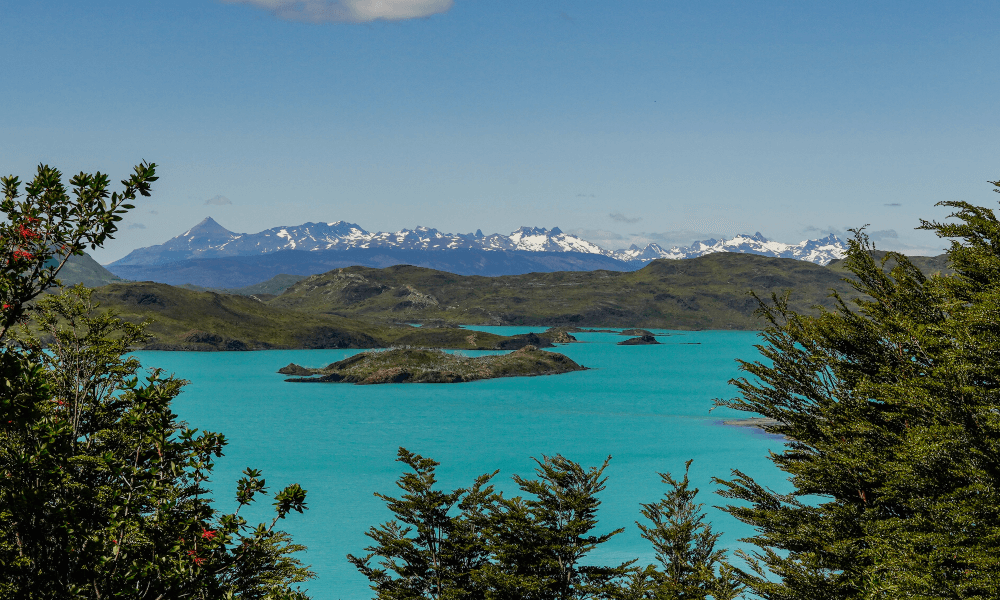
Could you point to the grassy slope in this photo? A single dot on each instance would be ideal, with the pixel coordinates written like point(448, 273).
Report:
point(86, 270)
point(188, 320)
point(702, 293)
point(271, 287)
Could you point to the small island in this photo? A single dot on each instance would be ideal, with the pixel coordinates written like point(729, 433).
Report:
point(636, 332)
point(642, 340)
point(422, 365)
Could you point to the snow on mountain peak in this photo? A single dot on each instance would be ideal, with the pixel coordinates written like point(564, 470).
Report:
point(209, 239)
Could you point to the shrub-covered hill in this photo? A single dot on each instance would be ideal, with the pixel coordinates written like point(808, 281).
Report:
point(189, 320)
point(710, 292)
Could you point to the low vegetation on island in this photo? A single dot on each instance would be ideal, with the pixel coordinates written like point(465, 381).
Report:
point(422, 365)
point(641, 340)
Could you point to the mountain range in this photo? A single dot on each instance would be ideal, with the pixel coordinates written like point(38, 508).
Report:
point(210, 255)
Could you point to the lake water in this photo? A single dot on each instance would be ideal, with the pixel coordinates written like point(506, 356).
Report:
point(646, 406)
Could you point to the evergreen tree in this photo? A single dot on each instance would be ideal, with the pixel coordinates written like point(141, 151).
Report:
point(538, 543)
point(445, 551)
point(474, 543)
point(690, 565)
point(892, 415)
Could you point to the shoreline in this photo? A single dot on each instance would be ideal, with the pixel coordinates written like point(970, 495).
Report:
point(758, 423)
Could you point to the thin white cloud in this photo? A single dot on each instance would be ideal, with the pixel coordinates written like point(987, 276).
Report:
point(678, 237)
point(349, 11)
point(613, 241)
point(812, 231)
point(884, 234)
point(218, 201)
point(617, 216)
point(598, 236)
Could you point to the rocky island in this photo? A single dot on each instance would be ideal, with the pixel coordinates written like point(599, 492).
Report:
point(642, 340)
point(422, 365)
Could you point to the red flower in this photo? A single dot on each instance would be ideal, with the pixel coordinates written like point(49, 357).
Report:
point(6, 306)
point(207, 533)
point(22, 254)
point(28, 234)
point(197, 560)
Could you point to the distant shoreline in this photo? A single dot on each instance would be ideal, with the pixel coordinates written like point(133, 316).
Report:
point(756, 422)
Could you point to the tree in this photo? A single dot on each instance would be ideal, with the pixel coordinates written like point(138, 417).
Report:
point(690, 565)
point(892, 415)
point(538, 544)
point(474, 543)
point(445, 551)
point(102, 490)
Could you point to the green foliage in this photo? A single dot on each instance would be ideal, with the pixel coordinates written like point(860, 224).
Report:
point(444, 554)
point(475, 543)
point(45, 227)
point(102, 489)
point(692, 568)
point(539, 542)
point(892, 417)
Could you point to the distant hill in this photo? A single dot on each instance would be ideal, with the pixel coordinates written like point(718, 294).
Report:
point(272, 287)
point(362, 307)
point(709, 292)
point(243, 271)
point(188, 320)
point(84, 269)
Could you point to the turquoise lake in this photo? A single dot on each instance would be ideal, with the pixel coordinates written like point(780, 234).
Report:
point(646, 406)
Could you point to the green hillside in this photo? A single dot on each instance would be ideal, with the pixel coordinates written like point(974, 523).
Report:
point(361, 307)
point(84, 269)
point(264, 290)
point(188, 320)
point(709, 292)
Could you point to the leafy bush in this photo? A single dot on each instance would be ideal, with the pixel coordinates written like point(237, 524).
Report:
point(102, 487)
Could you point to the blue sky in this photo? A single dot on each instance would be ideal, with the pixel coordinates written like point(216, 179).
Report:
point(625, 122)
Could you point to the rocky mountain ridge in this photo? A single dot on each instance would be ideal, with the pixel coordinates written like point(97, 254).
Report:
point(208, 240)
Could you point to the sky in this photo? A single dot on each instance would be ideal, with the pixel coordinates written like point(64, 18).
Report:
point(623, 122)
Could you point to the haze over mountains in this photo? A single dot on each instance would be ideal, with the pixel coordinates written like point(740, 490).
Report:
point(210, 255)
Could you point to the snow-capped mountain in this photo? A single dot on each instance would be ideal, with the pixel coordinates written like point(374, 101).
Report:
point(820, 251)
point(208, 239)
